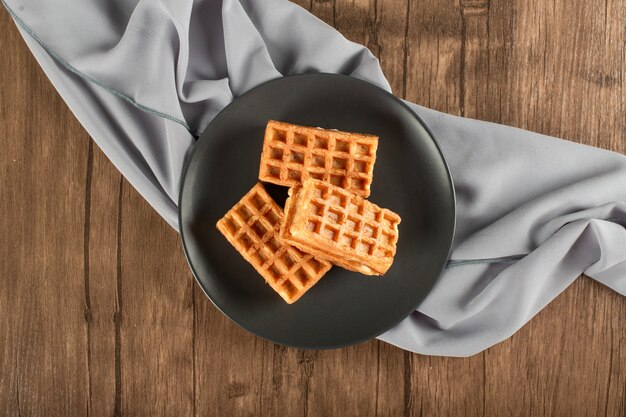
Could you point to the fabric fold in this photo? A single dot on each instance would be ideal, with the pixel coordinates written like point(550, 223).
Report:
point(145, 77)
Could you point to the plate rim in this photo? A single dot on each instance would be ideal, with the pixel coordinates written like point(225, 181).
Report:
point(193, 152)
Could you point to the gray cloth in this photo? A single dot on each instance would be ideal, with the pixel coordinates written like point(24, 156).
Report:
point(145, 77)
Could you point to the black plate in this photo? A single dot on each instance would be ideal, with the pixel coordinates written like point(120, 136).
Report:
point(410, 177)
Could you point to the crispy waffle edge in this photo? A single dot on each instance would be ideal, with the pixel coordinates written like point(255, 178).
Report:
point(221, 226)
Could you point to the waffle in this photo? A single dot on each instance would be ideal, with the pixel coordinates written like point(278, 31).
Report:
point(333, 224)
point(293, 153)
point(252, 227)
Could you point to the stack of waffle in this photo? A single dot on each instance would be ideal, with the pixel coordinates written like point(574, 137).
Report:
point(326, 221)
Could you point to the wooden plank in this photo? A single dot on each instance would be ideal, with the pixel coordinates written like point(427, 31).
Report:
point(42, 313)
point(433, 62)
point(445, 386)
point(349, 374)
point(359, 21)
point(325, 10)
point(517, 58)
point(101, 273)
point(475, 58)
point(229, 363)
point(252, 377)
point(382, 27)
point(556, 80)
point(569, 360)
point(154, 337)
point(394, 28)
point(432, 76)
point(12, 119)
point(285, 383)
point(393, 385)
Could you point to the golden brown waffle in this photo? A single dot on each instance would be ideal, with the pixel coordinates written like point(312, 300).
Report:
point(333, 224)
point(252, 227)
point(293, 153)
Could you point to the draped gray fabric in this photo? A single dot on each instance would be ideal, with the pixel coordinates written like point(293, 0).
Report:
point(145, 77)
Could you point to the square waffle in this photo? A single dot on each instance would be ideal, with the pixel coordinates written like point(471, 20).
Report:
point(333, 224)
point(252, 227)
point(293, 153)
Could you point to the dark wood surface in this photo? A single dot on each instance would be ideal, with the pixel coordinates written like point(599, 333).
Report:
point(100, 316)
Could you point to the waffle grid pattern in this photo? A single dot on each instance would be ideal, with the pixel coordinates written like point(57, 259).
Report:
point(292, 154)
point(352, 223)
point(252, 227)
point(350, 227)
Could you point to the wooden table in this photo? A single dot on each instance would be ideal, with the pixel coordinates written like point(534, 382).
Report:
point(100, 316)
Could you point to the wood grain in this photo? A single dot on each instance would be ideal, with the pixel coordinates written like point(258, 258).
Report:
point(102, 308)
point(42, 301)
point(99, 315)
point(155, 314)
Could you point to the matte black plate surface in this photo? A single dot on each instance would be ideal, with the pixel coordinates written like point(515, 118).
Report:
point(410, 178)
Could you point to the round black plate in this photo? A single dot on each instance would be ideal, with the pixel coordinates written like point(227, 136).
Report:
point(410, 177)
